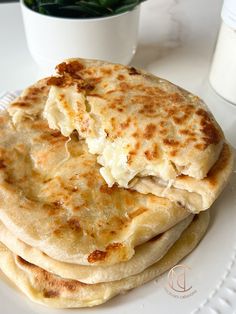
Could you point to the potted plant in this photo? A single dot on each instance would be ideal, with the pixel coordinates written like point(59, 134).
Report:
point(96, 29)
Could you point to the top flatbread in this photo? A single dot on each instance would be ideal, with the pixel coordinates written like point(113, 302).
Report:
point(53, 197)
point(196, 195)
point(138, 124)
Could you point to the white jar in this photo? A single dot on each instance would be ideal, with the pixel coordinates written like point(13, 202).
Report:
point(223, 71)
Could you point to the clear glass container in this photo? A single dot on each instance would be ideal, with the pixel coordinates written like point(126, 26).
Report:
point(223, 70)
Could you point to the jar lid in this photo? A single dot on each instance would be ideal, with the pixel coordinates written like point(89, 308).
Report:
point(228, 13)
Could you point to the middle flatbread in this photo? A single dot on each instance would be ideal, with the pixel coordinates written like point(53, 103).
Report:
point(145, 255)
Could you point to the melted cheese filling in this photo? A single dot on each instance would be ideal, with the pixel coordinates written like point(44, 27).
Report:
point(114, 160)
point(66, 111)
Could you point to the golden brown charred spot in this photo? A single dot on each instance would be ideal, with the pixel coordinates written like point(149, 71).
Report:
point(121, 77)
point(162, 124)
point(129, 198)
point(126, 124)
point(124, 86)
point(152, 154)
point(176, 98)
point(133, 71)
point(117, 103)
point(2, 164)
point(71, 68)
point(180, 119)
point(187, 132)
point(96, 95)
point(85, 86)
point(105, 189)
point(58, 204)
point(97, 256)
point(137, 212)
point(130, 157)
point(106, 71)
point(33, 94)
point(51, 209)
point(211, 133)
point(52, 285)
point(74, 224)
point(113, 123)
point(200, 146)
point(50, 293)
point(20, 104)
point(148, 108)
point(56, 81)
point(74, 189)
point(170, 142)
point(41, 125)
point(136, 134)
point(113, 246)
point(190, 139)
point(112, 105)
point(162, 128)
point(181, 113)
point(89, 71)
point(33, 91)
point(137, 146)
point(133, 153)
point(54, 137)
point(58, 232)
point(173, 152)
point(149, 131)
point(56, 134)
point(8, 180)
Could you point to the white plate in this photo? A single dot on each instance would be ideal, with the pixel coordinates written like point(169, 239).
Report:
point(213, 263)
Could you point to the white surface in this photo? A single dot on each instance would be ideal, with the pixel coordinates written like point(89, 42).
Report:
point(223, 70)
point(177, 39)
point(53, 39)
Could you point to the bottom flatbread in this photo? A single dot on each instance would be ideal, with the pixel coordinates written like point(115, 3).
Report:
point(48, 289)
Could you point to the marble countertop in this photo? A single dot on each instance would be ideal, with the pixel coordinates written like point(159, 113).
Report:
point(176, 41)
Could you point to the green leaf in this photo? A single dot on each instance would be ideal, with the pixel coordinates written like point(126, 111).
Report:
point(71, 11)
point(43, 11)
point(92, 9)
point(65, 2)
point(125, 8)
point(30, 3)
point(48, 6)
point(42, 2)
point(108, 3)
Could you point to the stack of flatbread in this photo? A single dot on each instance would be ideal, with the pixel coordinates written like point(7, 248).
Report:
point(106, 177)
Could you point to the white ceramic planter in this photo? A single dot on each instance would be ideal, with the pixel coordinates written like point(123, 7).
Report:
point(52, 39)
